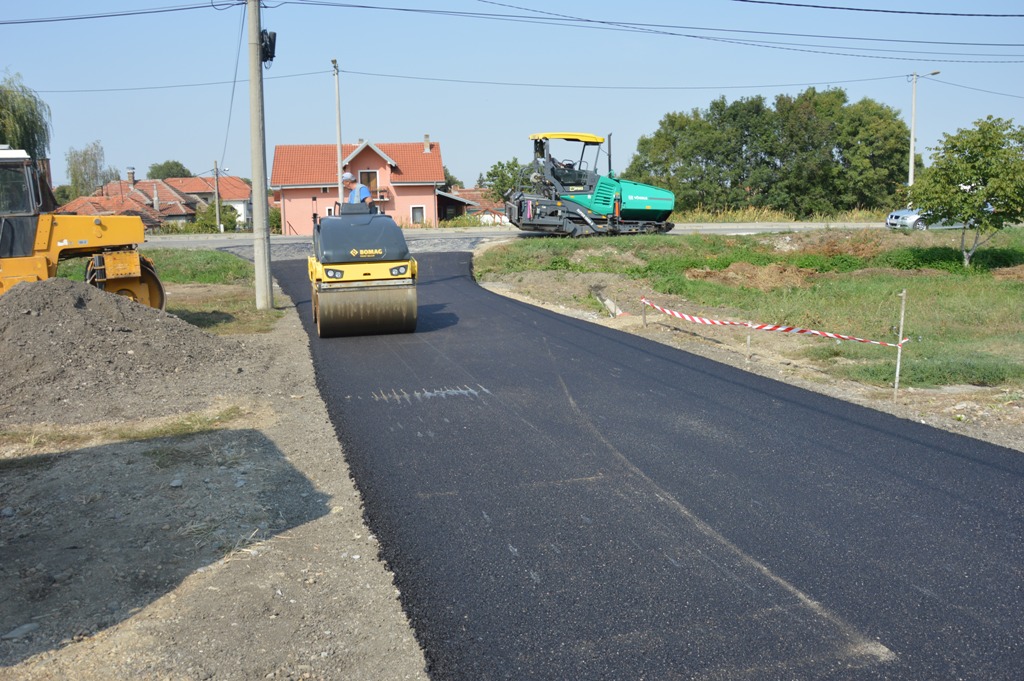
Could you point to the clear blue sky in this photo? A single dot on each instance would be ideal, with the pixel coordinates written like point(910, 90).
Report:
point(154, 87)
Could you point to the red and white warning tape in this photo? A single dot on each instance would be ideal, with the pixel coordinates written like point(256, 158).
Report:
point(769, 327)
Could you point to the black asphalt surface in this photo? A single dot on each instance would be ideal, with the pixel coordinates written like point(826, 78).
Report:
point(558, 500)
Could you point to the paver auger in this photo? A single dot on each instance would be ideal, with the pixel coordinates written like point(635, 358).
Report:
point(362, 277)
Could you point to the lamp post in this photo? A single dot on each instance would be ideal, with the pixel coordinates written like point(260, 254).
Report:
point(913, 117)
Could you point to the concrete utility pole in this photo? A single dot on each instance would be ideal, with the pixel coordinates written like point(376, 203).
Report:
point(258, 146)
point(337, 116)
point(216, 195)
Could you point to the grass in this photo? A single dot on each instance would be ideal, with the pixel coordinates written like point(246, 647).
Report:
point(228, 311)
point(54, 438)
point(966, 326)
point(754, 214)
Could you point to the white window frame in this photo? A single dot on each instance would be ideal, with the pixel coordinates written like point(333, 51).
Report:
point(412, 214)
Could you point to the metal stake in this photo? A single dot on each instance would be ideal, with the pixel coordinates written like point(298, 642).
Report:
point(899, 348)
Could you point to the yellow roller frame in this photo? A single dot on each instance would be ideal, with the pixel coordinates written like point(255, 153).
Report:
point(129, 274)
point(363, 298)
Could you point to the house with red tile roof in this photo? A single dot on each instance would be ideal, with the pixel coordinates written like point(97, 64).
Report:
point(154, 201)
point(233, 191)
point(161, 201)
point(404, 179)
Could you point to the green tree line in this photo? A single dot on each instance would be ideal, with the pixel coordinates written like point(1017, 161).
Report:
point(810, 153)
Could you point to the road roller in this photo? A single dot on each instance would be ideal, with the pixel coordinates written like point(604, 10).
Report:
point(362, 277)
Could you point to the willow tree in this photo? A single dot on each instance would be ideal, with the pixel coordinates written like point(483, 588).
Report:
point(24, 118)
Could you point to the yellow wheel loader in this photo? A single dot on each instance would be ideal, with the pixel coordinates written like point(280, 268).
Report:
point(362, 277)
point(34, 238)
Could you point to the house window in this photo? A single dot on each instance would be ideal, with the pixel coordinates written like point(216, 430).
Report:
point(369, 178)
point(328, 190)
point(417, 214)
point(330, 211)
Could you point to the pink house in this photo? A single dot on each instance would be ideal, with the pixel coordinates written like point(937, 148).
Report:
point(404, 179)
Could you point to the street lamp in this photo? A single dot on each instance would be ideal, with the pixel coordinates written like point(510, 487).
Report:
point(913, 116)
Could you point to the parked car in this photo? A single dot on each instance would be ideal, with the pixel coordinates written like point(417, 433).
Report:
point(915, 218)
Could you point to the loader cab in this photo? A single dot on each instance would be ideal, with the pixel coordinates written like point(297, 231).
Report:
point(23, 196)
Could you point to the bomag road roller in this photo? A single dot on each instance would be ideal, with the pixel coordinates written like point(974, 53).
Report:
point(362, 276)
point(566, 195)
point(34, 238)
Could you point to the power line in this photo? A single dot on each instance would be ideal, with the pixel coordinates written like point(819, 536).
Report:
point(976, 89)
point(174, 87)
point(231, 101)
point(578, 86)
point(883, 11)
point(210, 4)
point(552, 19)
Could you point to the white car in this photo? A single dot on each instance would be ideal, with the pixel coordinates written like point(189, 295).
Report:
point(914, 218)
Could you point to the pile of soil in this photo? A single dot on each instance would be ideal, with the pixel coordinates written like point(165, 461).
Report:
point(74, 354)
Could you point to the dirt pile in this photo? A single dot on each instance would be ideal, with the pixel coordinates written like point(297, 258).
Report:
point(75, 354)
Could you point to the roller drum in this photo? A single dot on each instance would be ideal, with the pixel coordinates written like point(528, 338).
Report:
point(365, 311)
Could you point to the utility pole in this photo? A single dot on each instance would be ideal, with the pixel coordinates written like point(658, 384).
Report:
point(258, 146)
point(337, 116)
point(216, 195)
point(913, 122)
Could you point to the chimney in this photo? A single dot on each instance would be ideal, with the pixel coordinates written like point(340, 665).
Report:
point(131, 175)
point(426, 144)
point(156, 199)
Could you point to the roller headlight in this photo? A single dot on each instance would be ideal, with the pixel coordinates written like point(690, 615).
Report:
point(334, 274)
point(401, 269)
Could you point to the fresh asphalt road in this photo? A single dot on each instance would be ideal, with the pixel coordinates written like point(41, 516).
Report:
point(558, 500)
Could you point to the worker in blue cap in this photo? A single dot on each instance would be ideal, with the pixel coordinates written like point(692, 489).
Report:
point(357, 192)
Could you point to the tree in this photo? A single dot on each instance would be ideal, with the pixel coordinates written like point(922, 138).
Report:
point(976, 178)
point(63, 194)
point(86, 171)
point(161, 171)
point(450, 180)
point(274, 220)
point(873, 144)
point(206, 219)
point(503, 176)
point(812, 153)
point(24, 118)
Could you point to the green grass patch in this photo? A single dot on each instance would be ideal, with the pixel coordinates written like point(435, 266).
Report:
point(181, 266)
point(966, 326)
point(755, 214)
